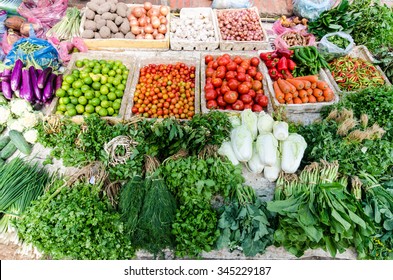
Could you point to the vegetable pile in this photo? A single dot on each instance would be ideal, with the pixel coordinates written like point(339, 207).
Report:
point(279, 63)
point(240, 25)
point(308, 61)
point(295, 38)
point(68, 27)
point(234, 83)
point(352, 73)
point(292, 21)
point(339, 41)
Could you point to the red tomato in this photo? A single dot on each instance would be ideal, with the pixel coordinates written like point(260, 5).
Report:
point(240, 69)
point(243, 88)
point(248, 78)
point(222, 61)
point(241, 77)
point(228, 107)
point(263, 101)
point(230, 75)
point(233, 84)
point(209, 80)
point(254, 61)
point(238, 60)
point(256, 108)
point(211, 104)
point(231, 97)
point(245, 64)
point(252, 93)
point(246, 98)
point(252, 71)
point(210, 64)
point(224, 89)
point(221, 102)
point(217, 82)
point(214, 65)
point(247, 106)
point(259, 91)
point(226, 56)
point(258, 76)
point(221, 71)
point(208, 86)
point(210, 94)
point(209, 72)
point(218, 90)
point(249, 84)
point(256, 85)
point(238, 105)
point(232, 66)
point(208, 58)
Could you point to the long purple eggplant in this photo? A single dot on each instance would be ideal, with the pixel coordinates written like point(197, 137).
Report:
point(43, 77)
point(26, 90)
point(59, 81)
point(49, 88)
point(33, 78)
point(16, 75)
point(6, 75)
point(6, 88)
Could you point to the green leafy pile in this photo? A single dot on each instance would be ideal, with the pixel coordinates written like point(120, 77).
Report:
point(316, 211)
point(245, 223)
point(384, 55)
point(75, 223)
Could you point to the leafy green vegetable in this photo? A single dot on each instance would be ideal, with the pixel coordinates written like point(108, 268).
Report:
point(384, 55)
point(75, 223)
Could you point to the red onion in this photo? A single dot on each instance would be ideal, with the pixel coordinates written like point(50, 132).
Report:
point(138, 12)
point(133, 22)
point(153, 12)
point(163, 20)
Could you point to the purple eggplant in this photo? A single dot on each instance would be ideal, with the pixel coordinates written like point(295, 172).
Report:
point(33, 78)
point(6, 75)
point(59, 81)
point(43, 77)
point(26, 90)
point(16, 75)
point(6, 88)
point(49, 88)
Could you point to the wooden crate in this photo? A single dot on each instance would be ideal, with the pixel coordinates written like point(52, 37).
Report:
point(358, 52)
point(115, 43)
point(248, 55)
point(196, 45)
point(231, 45)
point(128, 61)
point(163, 59)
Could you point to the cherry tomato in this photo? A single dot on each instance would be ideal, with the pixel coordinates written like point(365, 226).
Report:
point(258, 76)
point(221, 102)
point(241, 77)
point(252, 71)
point(230, 75)
point(256, 85)
point(209, 72)
point(221, 71)
point(252, 93)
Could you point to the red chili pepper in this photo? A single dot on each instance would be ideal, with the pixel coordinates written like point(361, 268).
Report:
point(287, 74)
point(282, 65)
point(267, 56)
point(272, 63)
point(291, 64)
point(273, 73)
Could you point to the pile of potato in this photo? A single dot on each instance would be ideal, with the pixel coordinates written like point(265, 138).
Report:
point(107, 19)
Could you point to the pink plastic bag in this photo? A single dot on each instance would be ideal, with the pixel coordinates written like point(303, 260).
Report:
point(280, 43)
point(8, 41)
point(45, 12)
point(65, 48)
point(279, 29)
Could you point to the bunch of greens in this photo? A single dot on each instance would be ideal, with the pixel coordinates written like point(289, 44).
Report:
point(339, 18)
point(245, 223)
point(316, 211)
point(75, 222)
point(384, 55)
point(339, 41)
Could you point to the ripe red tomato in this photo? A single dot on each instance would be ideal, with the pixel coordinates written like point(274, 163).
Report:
point(263, 101)
point(248, 78)
point(243, 88)
point(226, 55)
point(249, 84)
point(237, 60)
point(210, 94)
point(254, 61)
point(232, 66)
point(211, 104)
point(252, 93)
point(233, 84)
point(208, 86)
point(246, 98)
point(224, 88)
point(241, 77)
point(245, 64)
point(228, 107)
point(217, 82)
point(258, 76)
point(256, 85)
point(208, 58)
point(230, 75)
point(241, 69)
point(218, 90)
point(256, 108)
point(221, 71)
point(252, 71)
point(209, 72)
point(259, 91)
point(222, 61)
point(238, 105)
point(221, 102)
point(247, 106)
point(215, 65)
point(231, 97)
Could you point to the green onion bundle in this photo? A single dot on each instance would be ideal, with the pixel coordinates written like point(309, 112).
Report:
point(68, 27)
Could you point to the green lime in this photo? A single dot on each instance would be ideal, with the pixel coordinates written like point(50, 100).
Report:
point(75, 73)
point(116, 81)
point(119, 93)
point(112, 73)
point(103, 97)
point(121, 87)
point(65, 86)
point(77, 84)
point(88, 80)
point(62, 108)
point(112, 89)
point(70, 91)
point(123, 82)
point(59, 113)
point(91, 64)
point(95, 78)
point(84, 75)
point(110, 111)
point(105, 70)
point(69, 79)
point(104, 89)
point(95, 101)
point(82, 100)
point(103, 112)
point(110, 80)
point(60, 92)
point(97, 94)
point(85, 61)
point(64, 100)
point(79, 63)
point(86, 114)
point(70, 106)
point(89, 95)
point(115, 67)
point(112, 96)
point(96, 85)
point(89, 108)
point(77, 92)
point(80, 109)
point(125, 76)
point(71, 112)
point(116, 105)
point(96, 109)
point(85, 88)
point(104, 79)
point(105, 103)
point(96, 71)
point(119, 71)
point(74, 100)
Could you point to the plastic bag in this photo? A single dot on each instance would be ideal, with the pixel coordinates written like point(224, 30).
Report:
point(311, 9)
point(8, 40)
point(66, 48)
point(10, 6)
point(45, 12)
point(3, 17)
point(279, 29)
point(45, 56)
point(330, 51)
point(280, 43)
point(232, 4)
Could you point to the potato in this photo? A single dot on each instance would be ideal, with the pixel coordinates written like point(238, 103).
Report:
point(104, 8)
point(98, 2)
point(129, 35)
point(125, 27)
point(113, 8)
point(122, 9)
point(97, 18)
point(90, 25)
point(88, 34)
point(108, 16)
point(93, 6)
point(113, 1)
point(105, 32)
point(97, 35)
point(101, 23)
point(112, 26)
point(118, 35)
point(119, 20)
point(90, 14)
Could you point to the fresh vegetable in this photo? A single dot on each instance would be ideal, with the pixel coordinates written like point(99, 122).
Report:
point(295, 38)
point(241, 141)
point(267, 147)
point(384, 56)
point(20, 142)
point(8, 151)
point(339, 41)
point(308, 61)
point(352, 73)
point(5, 114)
point(265, 123)
point(292, 21)
point(239, 25)
point(226, 150)
point(14, 22)
point(26, 90)
point(16, 75)
point(67, 27)
point(272, 172)
point(280, 130)
point(279, 63)
point(250, 120)
point(254, 164)
point(34, 85)
point(43, 77)
point(292, 151)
